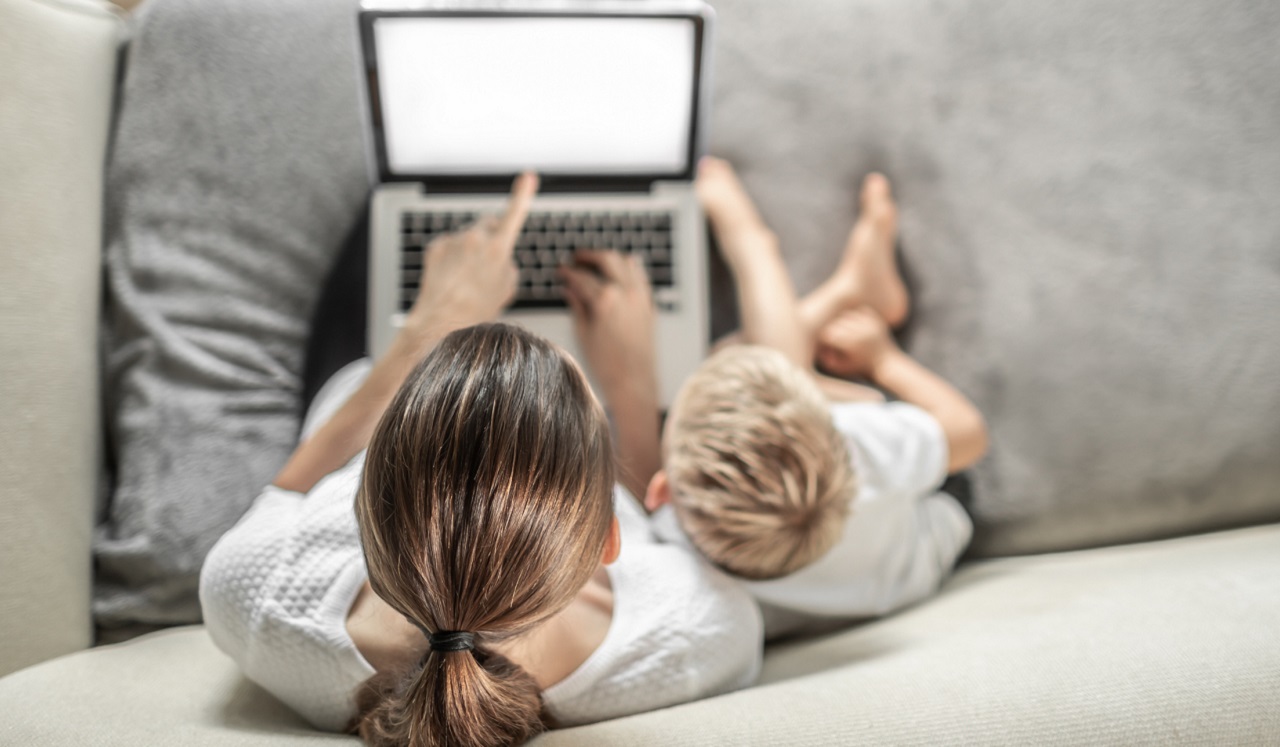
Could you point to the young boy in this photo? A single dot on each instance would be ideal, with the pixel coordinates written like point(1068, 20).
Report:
point(822, 497)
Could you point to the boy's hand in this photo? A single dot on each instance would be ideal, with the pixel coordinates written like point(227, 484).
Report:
point(857, 343)
point(469, 277)
point(612, 304)
point(854, 344)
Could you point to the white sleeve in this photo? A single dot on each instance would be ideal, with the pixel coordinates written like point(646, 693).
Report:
point(633, 522)
point(233, 581)
point(942, 532)
point(901, 448)
point(275, 591)
point(334, 394)
point(681, 631)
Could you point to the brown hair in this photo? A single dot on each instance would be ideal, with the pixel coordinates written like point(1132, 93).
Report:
point(485, 507)
point(760, 478)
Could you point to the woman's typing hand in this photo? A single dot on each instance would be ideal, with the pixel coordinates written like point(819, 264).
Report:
point(469, 277)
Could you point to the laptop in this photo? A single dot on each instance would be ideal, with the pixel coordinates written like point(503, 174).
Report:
point(605, 100)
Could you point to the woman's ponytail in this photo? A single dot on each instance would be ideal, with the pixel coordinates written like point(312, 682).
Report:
point(453, 698)
point(485, 505)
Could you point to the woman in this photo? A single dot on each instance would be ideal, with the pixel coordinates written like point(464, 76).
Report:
point(475, 576)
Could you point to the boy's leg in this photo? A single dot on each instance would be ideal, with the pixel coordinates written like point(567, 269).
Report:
point(766, 299)
point(867, 273)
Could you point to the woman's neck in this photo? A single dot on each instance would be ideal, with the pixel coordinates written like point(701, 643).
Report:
point(549, 653)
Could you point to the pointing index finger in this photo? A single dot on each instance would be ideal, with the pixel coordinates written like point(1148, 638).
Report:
point(522, 191)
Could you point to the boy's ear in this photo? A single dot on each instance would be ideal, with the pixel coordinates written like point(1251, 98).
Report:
point(658, 493)
point(612, 543)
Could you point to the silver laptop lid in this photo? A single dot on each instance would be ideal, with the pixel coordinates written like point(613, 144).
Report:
point(593, 96)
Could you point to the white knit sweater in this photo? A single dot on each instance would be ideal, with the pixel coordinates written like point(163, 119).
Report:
point(277, 588)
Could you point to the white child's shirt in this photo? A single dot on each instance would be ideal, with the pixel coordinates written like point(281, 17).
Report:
point(902, 536)
point(276, 590)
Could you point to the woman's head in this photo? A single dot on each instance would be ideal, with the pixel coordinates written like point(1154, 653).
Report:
point(485, 507)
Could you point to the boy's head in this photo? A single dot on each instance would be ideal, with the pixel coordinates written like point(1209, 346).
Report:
point(758, 474)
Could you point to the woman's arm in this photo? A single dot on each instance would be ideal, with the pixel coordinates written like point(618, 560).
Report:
point(468, 278)
point(612, 305)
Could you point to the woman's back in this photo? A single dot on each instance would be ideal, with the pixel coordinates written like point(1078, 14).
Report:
point(658, 627)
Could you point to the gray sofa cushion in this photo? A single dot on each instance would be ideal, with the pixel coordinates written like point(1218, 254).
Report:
point(237, 168)
point(1088, 196)
point(1126, 645)
point(1085, 190)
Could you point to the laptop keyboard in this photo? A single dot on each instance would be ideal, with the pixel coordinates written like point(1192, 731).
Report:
point(549, 240)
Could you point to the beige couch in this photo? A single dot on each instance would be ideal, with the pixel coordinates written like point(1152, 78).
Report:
point(1157, 643)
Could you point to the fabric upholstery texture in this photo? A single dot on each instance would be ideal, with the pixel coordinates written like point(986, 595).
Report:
point(1085, 189)
point(57, 67)
point(1160, 643)
point(237, 169)
point(1087, 200)
point(1087, 196)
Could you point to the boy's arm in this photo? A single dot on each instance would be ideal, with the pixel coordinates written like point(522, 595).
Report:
point(869, 349)
point(767, 304)
point(840, 390)
point(962, 423)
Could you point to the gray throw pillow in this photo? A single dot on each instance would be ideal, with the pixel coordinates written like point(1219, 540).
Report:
point(237, 168)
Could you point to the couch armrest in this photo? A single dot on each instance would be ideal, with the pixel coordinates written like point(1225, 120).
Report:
point(57, 74)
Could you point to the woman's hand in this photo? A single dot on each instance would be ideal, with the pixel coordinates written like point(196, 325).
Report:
point(469, 277)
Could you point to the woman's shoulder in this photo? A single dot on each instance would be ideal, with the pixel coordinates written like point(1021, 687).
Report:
point(281, 528)
point(275, 591)
point(681, 630)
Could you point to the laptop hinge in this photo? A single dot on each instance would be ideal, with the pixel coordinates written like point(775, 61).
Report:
point(550, 184)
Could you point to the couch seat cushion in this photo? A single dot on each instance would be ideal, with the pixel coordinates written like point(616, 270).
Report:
point(1156, 643)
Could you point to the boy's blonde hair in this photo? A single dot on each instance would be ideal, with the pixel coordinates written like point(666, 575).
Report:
point(760, 478)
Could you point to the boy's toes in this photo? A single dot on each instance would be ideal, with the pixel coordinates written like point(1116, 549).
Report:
point(877, 202)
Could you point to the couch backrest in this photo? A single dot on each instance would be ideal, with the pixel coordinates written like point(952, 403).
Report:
point(1087, 194)
point(57, 74)
point(1089, 221)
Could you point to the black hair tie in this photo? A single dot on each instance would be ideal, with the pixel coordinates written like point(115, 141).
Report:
point(451, 640)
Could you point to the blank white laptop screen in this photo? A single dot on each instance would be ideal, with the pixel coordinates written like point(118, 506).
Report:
point(470, 96)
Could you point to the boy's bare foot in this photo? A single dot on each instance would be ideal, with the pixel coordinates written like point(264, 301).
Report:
point(868, 268)
point(734, 218)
